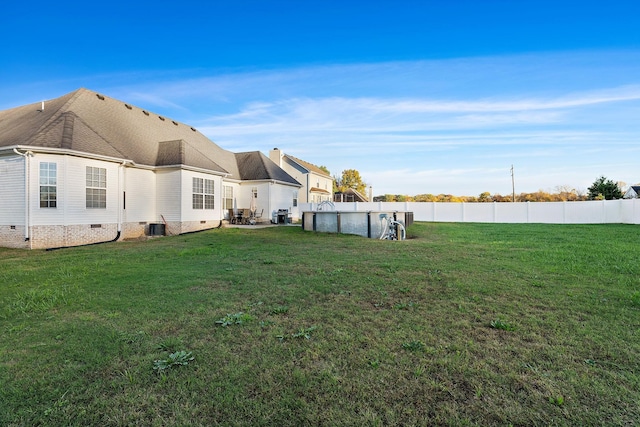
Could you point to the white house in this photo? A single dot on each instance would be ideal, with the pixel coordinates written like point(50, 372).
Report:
point(632, 192)
point(86, 168)
point(317, 185)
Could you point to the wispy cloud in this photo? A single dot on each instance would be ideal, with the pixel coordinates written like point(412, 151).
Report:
point(453, 125)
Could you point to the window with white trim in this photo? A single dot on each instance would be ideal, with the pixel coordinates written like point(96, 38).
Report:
point(198, 193)
point(227, 199)
point(48, 185)
point(209, 193)
point(203, 193)
point(96, 191)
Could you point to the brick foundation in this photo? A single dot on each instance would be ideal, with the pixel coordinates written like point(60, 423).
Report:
point(56, 236)
point(134, 230)
point(174, 228)
point(13, 237)
point(46, 237)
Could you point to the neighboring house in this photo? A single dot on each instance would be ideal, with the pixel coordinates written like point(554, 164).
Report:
point(632, 192)
point(317, 185)
point(349, 195)
point(86, 168)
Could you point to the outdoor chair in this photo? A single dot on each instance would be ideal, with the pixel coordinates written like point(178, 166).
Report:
point(245, 214)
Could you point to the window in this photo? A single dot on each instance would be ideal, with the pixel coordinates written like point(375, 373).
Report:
point(48, 185)
point(203, 193)
point(198, 193)
point(227, 200)
point(96, 188)
point(209, 201)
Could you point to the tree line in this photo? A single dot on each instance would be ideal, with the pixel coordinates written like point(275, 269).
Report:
point(602, 189)
point(538, 196)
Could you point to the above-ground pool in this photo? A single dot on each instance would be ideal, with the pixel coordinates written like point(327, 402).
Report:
point(370, 224)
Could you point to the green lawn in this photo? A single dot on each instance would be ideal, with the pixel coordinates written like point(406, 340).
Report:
point(461, 324)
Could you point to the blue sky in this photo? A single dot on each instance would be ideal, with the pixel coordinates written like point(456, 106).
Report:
point(419, 96)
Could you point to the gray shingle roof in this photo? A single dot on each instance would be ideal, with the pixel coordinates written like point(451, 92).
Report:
point(89, 122)
point(254, 165)
point(309, 166)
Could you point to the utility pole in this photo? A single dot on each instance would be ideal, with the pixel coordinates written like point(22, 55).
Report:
point(513, 187)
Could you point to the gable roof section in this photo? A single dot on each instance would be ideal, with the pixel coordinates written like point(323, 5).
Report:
point(357, 196)
point(254, 165)
point(633, 191)
point(308, 166)
point(172, 153)
point(319, 190)
point(89, 122)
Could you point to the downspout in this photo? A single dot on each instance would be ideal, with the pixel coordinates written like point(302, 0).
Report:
point(27, 201)
point(122, 188)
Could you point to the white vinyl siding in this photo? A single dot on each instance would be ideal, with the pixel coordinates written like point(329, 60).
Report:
point(140, 188)
point(12, 187)
point(171, 188)
point(71, 203)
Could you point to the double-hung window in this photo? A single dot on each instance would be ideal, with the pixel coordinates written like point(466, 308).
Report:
point(96, 188)
point(209, 190)
point(203, 194)
point(48, 185)
point(227, 200)
point(198, 193)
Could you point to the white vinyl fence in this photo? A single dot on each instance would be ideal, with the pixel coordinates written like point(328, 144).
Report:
point(623, 211)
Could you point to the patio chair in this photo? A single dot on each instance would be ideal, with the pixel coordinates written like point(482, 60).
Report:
point(245, 214)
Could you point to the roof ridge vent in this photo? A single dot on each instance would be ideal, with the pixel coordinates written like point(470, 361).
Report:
point(146, 113)
point(174, 122)
point(161, 118)
point(100, 97)
point(128, 106)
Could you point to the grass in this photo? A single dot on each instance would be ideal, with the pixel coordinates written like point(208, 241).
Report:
point(461, 324)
